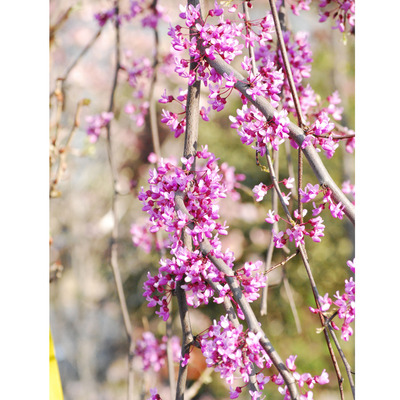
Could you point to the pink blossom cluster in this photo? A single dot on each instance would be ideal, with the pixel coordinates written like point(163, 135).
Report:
point(231, 350)
point(253, 127)
point(297, 5)
point(177, 121)
point(251, 279)
point(262, 189)
point(233, 353)
point(341, 11)
point(139, 74)
point(310, 192)
point(345, 304)
point(96, 123)
point(300, 59)
point(223, 38)
point(304, 381)
point(203, 189)
point(150, 13)
point(153, 352)
point(314, 227)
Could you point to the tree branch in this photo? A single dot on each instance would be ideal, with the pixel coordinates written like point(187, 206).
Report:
point(115, 231)
point(322, 318)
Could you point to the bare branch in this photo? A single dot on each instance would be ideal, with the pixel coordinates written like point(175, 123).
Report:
point(322, 318)
point(115, 230)
point(344, 359)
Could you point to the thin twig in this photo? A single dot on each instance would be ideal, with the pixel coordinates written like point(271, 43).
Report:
point(57, 25)
point(344, 359)
point(292, 303)
point(268, 261)
point(251, 48)
point(63, 151)
point(276, 185)
point(322, 318)
point(204, 378)
point(282, 263)
point(289, 75)
point(300, 118)
point(152, 108)
point(115, 230)
point(59, 93)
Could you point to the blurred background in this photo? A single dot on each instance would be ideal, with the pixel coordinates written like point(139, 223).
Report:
point(85, 317)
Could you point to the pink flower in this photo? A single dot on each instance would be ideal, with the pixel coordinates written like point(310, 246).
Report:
point(310, 193)
point(290, 362)
point(271, 217)
point(260, 191)
point(279, 239)
point(323, 379)
point(96, 124)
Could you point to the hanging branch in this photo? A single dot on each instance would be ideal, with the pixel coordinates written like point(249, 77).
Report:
point(115, 231)
point(344, 359)
point(295, 97)
point(76, 60)
point(322, 318)
point(271, 247)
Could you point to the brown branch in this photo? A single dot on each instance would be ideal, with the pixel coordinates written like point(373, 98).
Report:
point(289, 75)
point(344, 359)
point(301, 123)
point(57, 25)
point(268, 261)
point(292, 303)
point(152, 108)
point(204, 378)
point(63, 151)
point(282, 263)
point(115, 230)
point(322, 318)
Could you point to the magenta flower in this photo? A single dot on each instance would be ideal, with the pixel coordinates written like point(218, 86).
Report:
point(96, 124)
point(271, 217)
point(310, 192)
point(260, 191)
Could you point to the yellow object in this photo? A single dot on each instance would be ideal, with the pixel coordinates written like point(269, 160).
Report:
point(56, 392)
